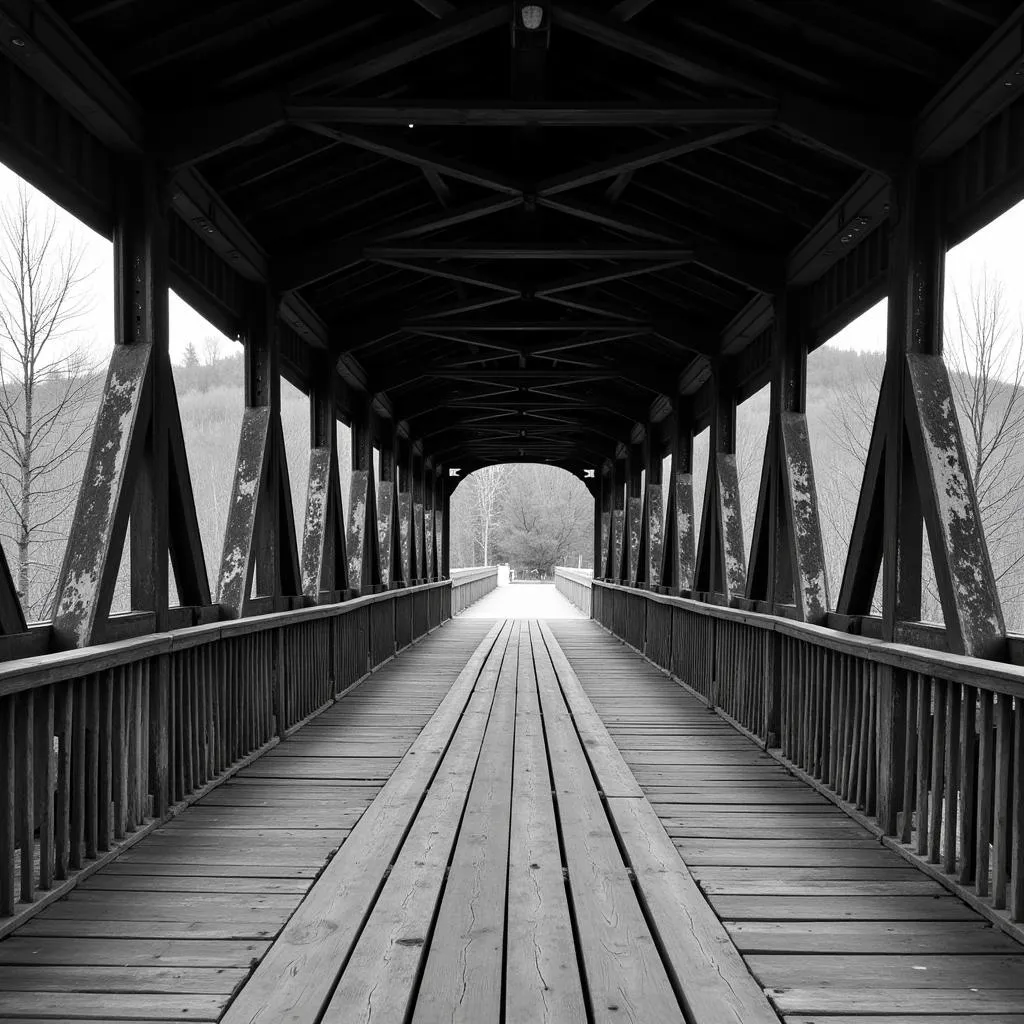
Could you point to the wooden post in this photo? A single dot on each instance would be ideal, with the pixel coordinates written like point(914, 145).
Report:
point(324, 558)
point(634, 513)
point(259, 537)
point(618, 572)
point(653, 512)
point(446, 530)
point(387, 515)
point(428, 518)
point(362, 538)
point(721, 565)
point(678, 551)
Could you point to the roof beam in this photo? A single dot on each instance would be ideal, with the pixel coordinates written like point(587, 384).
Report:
point(988, 83)
point(450, 274)
point(656, 153)
point(503, 114)
point(591, 280)
point(871, 142)
point(397, 53)
point(425, 159)
point(625, 10)
point(507, 251)
point(50, 53)
point(438, 8)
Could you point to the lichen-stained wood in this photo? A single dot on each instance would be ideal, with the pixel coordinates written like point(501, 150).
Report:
point(419, 542)
point(731, 525)
point(362, 540)
point(439, 540)
point(679, 542)
point(238, 553)
point(618, 544)
point(606, 530)
point(405, 530)
point(91, 560)
point(634, 528)
point(324, 559)
point(387, 528)
point(970, 602)
point(654, 526)
point(428, 541)
point(802, 500)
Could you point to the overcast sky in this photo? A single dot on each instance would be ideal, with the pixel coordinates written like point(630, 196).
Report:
point(996, 247)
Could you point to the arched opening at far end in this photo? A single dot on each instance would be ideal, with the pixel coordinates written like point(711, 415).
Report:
point(530, 520)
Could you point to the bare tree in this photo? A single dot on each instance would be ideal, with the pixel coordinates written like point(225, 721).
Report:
point(211, 350)
point(488, 493)
point(48, 388)
point(983, 348)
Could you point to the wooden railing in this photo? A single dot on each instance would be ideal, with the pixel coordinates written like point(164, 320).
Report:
point(98, 745)
point(575, 585)
point(925, 747)
point(469, 585)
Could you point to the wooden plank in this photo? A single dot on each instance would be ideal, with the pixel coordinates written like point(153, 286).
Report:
point(853, 908)
point(130, 952)
point(873, 1000)
point(110, 1006)
point(461, 980)
point(133, 979)
point(322, 932)
point(542, 981)
point(707, 969)
point(612, 772)
point(626, 978)
point(875, 937)
point(891, 971)
point(378, 981)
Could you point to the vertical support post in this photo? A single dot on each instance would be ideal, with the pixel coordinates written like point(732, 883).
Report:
point(446, 530)
point(619, 572)
point(428, 518)
point(419, 547)
point(362, 539)
point(680, 542)
point(634, 512)
point(324, 560)
point(721, 557)
point(914, 325)
point(403, 457)
point(140, 301)
point(597, 490)
point(387, 515)
point(653, 516)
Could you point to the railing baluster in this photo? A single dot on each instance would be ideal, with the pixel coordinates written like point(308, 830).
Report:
point(938, 765)
point(92, 765)
point(44, 783)
point(1000, 826)
point(951, 776)
point(968, 783)
point(983, 834)
point(105, 830)
point(1017, 796)
point(924, 753)
point(8, 822)
point(910, 757)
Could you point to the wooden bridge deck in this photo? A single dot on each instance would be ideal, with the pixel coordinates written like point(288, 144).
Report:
point(487, 830)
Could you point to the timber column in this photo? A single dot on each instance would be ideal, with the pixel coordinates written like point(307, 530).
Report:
point(403, 459)
point(136, 464)
point(324, 559)
point(362, 538)
point(391, 569)
point(634, 513)
point(259, 538)
point(721, 559)
point(652, 527)
point(679, 546)
point(618, 567)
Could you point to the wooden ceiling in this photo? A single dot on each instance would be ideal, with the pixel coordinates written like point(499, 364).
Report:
point(526, 238)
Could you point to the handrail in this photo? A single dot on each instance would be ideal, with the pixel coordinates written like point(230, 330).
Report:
point(576, 586)
point(996, 676)
point(917, 743)
point(469, 585)
point(100, 742)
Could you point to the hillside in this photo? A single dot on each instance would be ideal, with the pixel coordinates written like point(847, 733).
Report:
point(539, 516)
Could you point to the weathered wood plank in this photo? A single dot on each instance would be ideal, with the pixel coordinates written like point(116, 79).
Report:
point(542, 981)
point(322, 932)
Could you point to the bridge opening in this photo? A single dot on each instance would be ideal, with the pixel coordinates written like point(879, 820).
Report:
point(531, 521)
